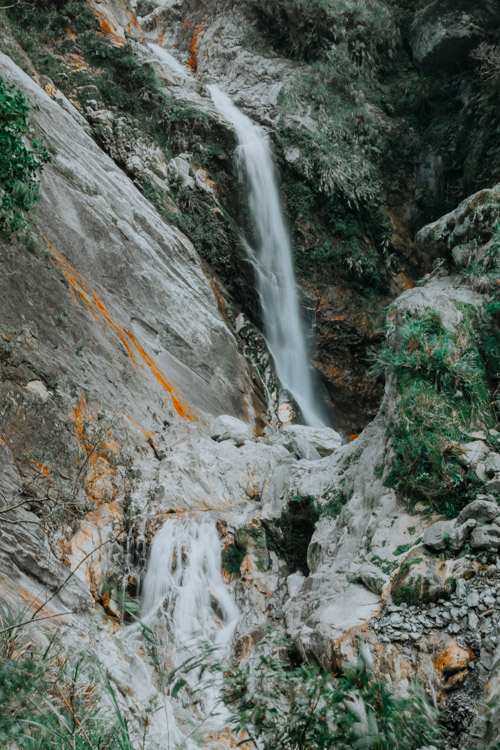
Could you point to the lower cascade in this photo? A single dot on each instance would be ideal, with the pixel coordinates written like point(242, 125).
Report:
point(272, 260)
point(183, 584)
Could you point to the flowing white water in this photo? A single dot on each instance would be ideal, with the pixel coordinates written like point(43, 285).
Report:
point(272, 259)
point(183, 582)
point(169, 61)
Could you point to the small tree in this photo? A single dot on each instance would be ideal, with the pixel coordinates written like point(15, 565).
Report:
point(22, 158)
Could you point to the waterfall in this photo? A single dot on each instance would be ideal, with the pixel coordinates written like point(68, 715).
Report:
point(183, 584)
point(272, 259)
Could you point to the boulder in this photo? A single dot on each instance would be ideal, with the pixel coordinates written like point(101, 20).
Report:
point(461, 533)
point(492, 464)
point(373, 578)
point(226, 427)
point(493, 485)
point(443, 534)
point(474, 452)
point(422, 577)
point(473, 219)
point(486, 537)
point(442, 42)
point(481, 510)
point(302, 448)
point(438, 536)
point(179, 171)
point(323, 439)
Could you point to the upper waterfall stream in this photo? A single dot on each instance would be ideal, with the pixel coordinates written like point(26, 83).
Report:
point(272, 259)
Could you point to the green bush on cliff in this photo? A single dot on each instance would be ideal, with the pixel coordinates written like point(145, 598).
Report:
point(51, 17)
point(22, 160)
point(304, 29)
point(443, 393)
point(273, 704)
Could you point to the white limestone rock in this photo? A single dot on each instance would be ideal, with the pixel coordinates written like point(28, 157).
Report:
point(437, 536)
point(226, 427)
point(323, 439)
point(481, 509)
point(486, 537)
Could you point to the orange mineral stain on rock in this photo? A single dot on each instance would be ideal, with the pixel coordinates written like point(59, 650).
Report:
point(330, 370)
point(43, 469)
point(99, 485)
point(192, 61)
point(109, 26)
point(452, 658)
point(50, 89)
point(405, 281)
point(147, 434)
point(81, 288)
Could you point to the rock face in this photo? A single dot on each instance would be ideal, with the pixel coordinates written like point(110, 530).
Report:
point(473, 219)
point(444, 33)
point(127, 398)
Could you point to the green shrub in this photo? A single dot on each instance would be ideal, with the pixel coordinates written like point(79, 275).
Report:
point(232, 557)
point(49, 702)
point(289, 536)
point(305, 29)
point(51, 18)
point(443, 392)
point(273, 704)
point(23, 158)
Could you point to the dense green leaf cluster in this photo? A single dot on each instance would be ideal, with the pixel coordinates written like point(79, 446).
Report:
point(345, 43)
point(443, 391)
point(48, 702)
point(22, 159)
point(273, 705)
point(305, 29)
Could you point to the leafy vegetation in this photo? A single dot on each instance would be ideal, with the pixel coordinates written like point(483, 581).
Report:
point(273, 705)
point(443, 393)
point(22, 160)
point(480, 264)
point(310, 29)
point(232, 557)
point(289, 536)
point(48, 702)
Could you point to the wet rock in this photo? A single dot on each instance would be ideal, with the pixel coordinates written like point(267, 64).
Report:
point(226, 427)
point(481, 510)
